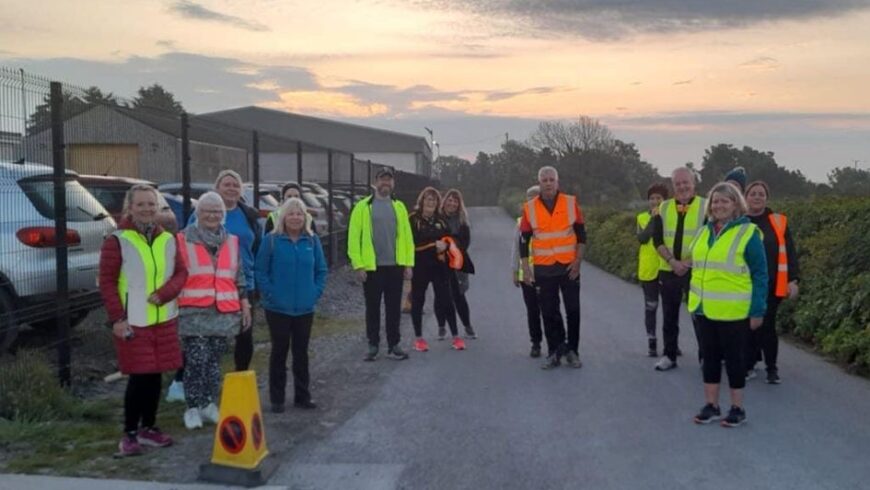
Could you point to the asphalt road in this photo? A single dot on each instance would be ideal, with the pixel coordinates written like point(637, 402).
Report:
point(489, 417)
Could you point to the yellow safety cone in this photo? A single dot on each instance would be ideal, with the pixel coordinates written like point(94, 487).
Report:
point(240, 455)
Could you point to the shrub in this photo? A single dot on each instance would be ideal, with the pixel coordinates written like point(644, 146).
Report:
point(29, 389)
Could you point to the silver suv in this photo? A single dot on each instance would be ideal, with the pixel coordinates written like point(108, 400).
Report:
point(28, 275)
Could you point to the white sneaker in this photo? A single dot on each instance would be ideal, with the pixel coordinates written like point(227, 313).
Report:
point(175, 393)
point(665, 364)
point(192, 420)
point(210, 413)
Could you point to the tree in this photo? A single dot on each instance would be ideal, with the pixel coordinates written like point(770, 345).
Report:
point(156, 97)
point(720, 159)
point(850, 181)
point(584, 135)
point(72, 105)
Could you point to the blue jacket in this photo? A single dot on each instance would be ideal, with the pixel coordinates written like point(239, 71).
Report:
point(290, 275)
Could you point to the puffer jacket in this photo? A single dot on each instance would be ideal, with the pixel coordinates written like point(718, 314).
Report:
point(152, 349)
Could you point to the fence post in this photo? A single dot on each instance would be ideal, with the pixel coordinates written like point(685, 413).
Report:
point(256, 150)
point(298, 163)
point(330, 226)
point(352, 179)
point(185, 168)
point(64, 357)
point(369, 182)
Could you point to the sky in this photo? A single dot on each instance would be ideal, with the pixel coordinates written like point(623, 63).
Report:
point(672, 76)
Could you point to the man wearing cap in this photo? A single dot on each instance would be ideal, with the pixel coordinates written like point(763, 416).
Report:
point(381, 250)
point(677, 222)
point(556, 223)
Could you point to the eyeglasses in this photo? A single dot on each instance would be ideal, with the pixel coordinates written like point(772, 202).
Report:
point(212, 212)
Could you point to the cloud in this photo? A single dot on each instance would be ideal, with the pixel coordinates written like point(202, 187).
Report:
point(191, 10)
point(683, 82)
point(602, 20)
point(166, 43)
point(761, 63)
point(504, 95)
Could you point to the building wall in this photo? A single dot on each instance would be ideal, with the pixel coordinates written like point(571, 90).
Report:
point(207, 160)
point(406, 162)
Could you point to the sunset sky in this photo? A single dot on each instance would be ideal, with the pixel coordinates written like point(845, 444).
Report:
point(674, 77)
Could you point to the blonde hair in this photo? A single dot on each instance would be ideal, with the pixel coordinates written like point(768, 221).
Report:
point(286, 206)
point(455, 194)
point(428, 190)
point(128, 198)
point(228, 173)
point(732, 192)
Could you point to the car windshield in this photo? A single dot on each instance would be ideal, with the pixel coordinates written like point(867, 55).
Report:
point(111, 197)
point(80, 204)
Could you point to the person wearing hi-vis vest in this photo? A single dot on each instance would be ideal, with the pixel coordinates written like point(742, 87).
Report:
point(381, 250)
point(648, 263)
point(728, 296)
point(678, 221)
point(288, 190)
point(213, 306)
point(555, 222)
point(530, 295)
point(783, 275)
point(140, 276)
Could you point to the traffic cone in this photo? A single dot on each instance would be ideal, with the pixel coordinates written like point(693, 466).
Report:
point(239, 456)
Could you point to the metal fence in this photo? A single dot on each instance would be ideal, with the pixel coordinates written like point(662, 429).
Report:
point(68, 156)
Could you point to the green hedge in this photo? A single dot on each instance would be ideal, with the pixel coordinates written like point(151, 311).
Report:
point(833, 243)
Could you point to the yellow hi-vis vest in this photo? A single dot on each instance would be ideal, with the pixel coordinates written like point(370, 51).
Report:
point(145, 269)
point(691, 224)
point(520, 268)
point(647, 256)
point(721, 284)
point(360, 247)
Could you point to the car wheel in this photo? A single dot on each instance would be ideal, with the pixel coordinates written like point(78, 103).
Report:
point(8, 322)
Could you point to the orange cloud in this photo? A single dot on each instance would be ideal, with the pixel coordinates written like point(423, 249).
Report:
point(326, 103)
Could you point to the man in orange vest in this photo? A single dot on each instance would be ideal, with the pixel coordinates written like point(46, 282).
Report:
point(556, 223)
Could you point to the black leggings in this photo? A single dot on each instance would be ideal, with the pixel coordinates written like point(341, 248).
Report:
point(651, 306)
point(533, 313)
point(244, 350)
point(459, 301)
point(141, 400)
point(724, 341)
point(437, 275)
point(289, 333)
point(764, 340)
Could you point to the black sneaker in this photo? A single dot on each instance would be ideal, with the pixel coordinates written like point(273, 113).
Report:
point(372, 354)
point(653, 348)
point(773, 377)
point(552, 361)
point(536, 351)
point(708, 414)
point(572, 359)
point(736, 417)
point(396, 353)
point(305, 405)
point(679, 352)
point(469, 332)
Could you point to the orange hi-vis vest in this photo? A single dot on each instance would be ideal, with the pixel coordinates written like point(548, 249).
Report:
point(555, 241)
point(206, 284)
point(778, 222)
point(453, 255)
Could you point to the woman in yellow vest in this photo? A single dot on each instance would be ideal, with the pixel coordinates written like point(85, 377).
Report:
point(648, 262)
point(783, 275)
point(530, 295)
point(212, 305)
point(728, 296)
point(140, 277)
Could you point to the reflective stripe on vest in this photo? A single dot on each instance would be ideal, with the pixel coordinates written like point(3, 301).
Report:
point(721, 284)
point(778, 222)
point(145, 268)
point(555, 240)
point(647, 255)
point(206, 284)
point(692, 223)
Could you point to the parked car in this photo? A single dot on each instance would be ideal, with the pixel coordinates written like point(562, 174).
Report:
point(267, 202)
point(110, 191)
point(28, 275)
point(315, 207)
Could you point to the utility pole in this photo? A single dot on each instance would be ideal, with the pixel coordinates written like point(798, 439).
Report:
point(507, 138)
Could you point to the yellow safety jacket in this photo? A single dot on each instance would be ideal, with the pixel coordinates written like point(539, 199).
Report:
point(647, 256)
point(145, 269)
point(361, 249)
point(721, 284)
point(692, 223)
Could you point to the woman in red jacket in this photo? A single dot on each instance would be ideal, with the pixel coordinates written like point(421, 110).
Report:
point(140, 277)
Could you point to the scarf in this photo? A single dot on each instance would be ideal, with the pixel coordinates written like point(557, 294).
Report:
point(211, 239)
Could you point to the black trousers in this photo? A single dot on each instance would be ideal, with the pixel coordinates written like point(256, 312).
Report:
point(724, 341)
point(533, 313)
point(673, 290)
point(384, 282)
point(244, 350)
point(460, 304)
point(141, 401)
point(651, 292)
point(559, 341)
point(764, 340)
point(437, 275)
point(289, 333)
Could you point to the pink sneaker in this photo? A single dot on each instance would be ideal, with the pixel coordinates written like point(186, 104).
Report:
point(129, 446)
point(421, 345)
point(458, 343)
point(154, 437)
